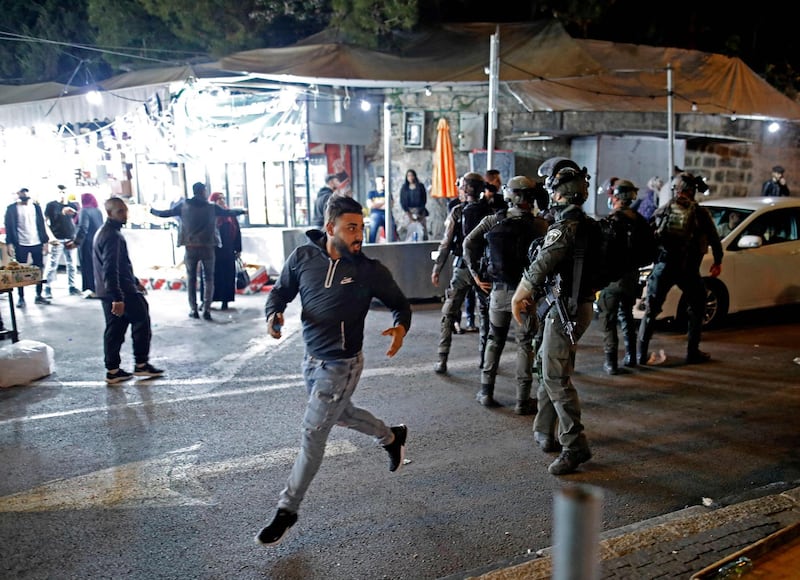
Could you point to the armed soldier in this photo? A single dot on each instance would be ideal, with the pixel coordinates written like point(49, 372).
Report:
point(566, 254)
point(633, 246)
point(505, 237)
point(684, 230)
point(460, 221)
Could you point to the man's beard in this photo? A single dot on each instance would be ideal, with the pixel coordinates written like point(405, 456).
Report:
point(345, 251)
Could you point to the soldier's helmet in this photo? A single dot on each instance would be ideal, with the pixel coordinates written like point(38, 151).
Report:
point(688, 184)
point(520, 189)
point(564, 176)
point(625, 190)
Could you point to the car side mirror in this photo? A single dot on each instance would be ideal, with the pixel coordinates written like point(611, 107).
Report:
point(750, 241)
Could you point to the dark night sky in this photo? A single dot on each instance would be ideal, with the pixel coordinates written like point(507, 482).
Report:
point(766, 36)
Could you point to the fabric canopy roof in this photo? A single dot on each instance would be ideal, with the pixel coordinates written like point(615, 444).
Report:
point(540, 64)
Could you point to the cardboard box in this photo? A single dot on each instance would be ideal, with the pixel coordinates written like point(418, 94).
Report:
point(22, 276)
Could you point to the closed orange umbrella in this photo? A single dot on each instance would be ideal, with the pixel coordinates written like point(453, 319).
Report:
point(444, 164)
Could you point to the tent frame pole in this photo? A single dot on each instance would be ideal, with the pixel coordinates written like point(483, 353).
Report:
point(387, 164)
point(670, 122)
point(494, 73)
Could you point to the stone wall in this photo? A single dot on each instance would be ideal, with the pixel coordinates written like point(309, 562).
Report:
point(735, 156)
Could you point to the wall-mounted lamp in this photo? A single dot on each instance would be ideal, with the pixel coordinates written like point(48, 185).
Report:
point(694, 107)
point(365, 105)
point(774, 127)
point(428, 92)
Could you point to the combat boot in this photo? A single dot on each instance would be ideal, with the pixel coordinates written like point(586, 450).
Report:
point(642, 347)
point(630, 353)
point(610, 364)
point(486, 396)
point(440, 368)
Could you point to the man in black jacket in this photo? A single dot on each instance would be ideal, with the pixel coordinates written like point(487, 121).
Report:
point(336, 283)
point(198, 234)
point(122, 297)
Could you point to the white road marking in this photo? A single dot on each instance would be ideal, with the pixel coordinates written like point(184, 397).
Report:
point(288, 381)
point(175, 479)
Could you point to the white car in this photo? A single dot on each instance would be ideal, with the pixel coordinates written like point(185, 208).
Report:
point(761, 264)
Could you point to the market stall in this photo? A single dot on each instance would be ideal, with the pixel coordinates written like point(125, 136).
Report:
point(13, 275)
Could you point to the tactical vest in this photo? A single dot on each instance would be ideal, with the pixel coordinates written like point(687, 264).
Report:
point(507, 245)
point(675, 228)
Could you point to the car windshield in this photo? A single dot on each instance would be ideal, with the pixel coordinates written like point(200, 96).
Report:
point(727, 218)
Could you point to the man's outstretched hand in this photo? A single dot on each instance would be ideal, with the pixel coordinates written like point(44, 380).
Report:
point(398, 333)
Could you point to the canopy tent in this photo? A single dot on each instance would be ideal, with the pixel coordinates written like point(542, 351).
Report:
point(634, 78)
point(542, 66)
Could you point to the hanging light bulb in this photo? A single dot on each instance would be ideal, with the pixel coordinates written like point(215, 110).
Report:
point(94, 97)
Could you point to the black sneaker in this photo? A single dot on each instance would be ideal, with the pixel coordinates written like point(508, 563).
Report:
point(117, 377)
point(397, 448)
point(206, 315)
point(41, 300)
point(147, 370)
point(569, 460)
point(21, 303)
point(74, 291)
point(697, 357)
point(276, 530)
point(193, 314)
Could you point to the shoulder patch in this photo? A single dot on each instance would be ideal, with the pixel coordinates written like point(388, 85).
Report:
point(551, 237)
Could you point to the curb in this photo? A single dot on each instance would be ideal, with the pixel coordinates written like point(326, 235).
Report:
point(782, 507)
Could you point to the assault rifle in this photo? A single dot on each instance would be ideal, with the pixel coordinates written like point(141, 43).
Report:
point(552, 299)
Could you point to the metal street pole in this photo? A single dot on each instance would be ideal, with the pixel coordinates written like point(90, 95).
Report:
point(387, 163)
point(494, 72)
point(670, 122)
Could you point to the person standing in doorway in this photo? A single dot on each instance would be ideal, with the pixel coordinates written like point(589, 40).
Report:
point(26, 237)
point(376, 202)
point(198, 234)
point(60, 216)
point(123, 298)
point(325, 192)
point(337, 284)
point(413, 199)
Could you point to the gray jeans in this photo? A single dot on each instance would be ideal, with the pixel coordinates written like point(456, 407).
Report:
point(330, 385)
point(206, 256)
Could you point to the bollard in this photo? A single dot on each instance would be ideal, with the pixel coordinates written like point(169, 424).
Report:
point(577, 513)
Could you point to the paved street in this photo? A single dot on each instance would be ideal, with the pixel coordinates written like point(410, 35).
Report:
point(171, 478)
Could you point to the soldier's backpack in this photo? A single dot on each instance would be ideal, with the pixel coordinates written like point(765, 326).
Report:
point(625, 245)
point(507, 245)
point(675, 226)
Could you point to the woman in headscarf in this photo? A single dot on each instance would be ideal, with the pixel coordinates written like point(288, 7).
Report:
point(231, 247)
point(90, 219)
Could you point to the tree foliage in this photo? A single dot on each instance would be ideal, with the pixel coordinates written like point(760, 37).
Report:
point(39, 37)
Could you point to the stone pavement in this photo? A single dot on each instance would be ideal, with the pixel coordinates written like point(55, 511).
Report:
point(675, 545)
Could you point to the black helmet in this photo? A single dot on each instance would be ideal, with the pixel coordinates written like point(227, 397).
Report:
point(689, 184)
point(625, 190)
point(564, 176)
